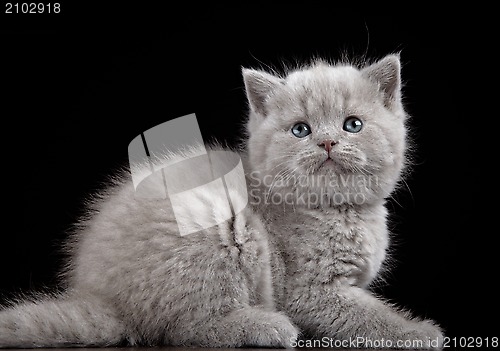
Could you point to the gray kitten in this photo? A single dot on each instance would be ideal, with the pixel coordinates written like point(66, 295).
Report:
point(326, 146)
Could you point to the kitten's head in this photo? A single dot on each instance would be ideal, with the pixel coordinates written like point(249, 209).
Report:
point(333, 134)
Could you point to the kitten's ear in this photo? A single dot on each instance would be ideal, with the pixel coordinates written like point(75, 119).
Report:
point(259, 86)
point(387, 74)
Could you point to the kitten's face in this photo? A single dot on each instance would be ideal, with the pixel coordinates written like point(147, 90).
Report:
point(330, 134)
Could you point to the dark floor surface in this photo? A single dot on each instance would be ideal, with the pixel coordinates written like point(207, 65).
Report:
point(175, 348)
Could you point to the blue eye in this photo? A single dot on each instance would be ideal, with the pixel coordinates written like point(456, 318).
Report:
point(353, 125)
point(301, 130)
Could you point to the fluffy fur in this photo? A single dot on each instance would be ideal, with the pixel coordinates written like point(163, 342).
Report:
point(296, 263)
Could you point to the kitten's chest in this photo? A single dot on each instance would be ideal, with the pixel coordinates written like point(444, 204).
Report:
point(321, 246)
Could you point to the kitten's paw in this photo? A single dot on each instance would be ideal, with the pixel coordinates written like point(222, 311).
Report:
point(246, 327)
point(272, 330)
point(425, 336)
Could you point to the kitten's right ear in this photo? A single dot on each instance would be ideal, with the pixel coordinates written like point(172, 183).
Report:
point(386, 73)
point(259, 86)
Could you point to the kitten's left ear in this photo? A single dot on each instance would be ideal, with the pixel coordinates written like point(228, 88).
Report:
point(259, 86)
point(386, 73)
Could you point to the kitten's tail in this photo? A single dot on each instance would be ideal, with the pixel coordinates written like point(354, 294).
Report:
point(60, 322)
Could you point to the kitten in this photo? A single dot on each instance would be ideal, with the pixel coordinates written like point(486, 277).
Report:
point(326, 145)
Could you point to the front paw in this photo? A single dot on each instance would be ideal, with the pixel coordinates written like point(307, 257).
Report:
point(276, 330)
point(409, 335)
point(425, 335)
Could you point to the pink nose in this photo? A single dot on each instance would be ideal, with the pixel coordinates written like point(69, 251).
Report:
point(327, 144)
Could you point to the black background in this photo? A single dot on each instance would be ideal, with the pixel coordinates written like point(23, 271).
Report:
point(82, 84)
